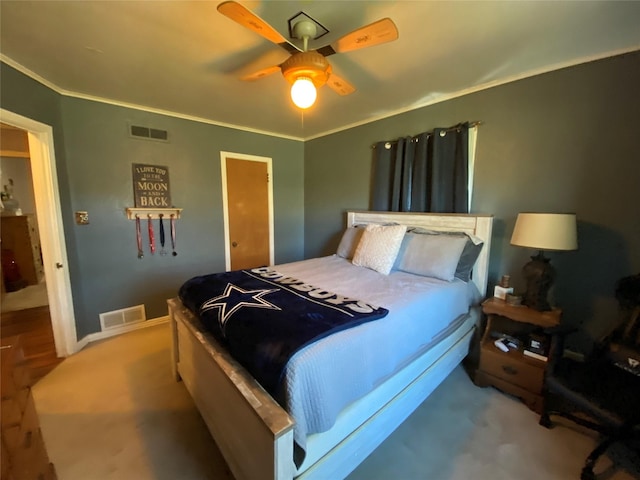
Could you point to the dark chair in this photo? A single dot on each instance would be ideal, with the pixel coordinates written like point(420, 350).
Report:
point(603, 392)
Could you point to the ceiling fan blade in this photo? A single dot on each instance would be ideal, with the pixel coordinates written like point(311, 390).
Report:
point(339, 85)
point(261, 73)
point(250, 20)
point(382, 31)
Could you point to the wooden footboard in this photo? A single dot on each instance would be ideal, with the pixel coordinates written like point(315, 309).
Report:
point(254, 434)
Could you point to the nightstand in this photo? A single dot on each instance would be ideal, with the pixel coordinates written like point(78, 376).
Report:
point(513, 372)
point(23, 454)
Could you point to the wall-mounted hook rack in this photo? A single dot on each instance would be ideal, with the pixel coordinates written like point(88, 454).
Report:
point(153, 212)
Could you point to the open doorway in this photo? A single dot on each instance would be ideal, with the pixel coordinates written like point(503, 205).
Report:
point(24, 309)
point(23, 273)
point(47, 223)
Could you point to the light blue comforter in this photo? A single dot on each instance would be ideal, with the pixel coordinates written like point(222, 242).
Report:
point(323, 378)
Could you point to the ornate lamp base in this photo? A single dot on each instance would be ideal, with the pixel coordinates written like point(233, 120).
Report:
point(539, 274)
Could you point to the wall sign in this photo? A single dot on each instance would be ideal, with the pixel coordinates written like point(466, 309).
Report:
point(151, 186)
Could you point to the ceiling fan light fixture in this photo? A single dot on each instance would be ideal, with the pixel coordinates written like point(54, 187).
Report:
point(303, 92)
point(305, 69)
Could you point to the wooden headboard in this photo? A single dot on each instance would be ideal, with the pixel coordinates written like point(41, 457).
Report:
point(477, 225)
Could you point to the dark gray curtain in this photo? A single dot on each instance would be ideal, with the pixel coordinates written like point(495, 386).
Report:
point(425, 173)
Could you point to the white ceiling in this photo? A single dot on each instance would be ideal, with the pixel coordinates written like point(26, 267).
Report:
point(185, 58)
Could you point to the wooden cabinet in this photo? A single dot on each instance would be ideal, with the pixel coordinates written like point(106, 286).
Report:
point(20, 235)
point(513, 371)
point(13, 142)
point(23, 455)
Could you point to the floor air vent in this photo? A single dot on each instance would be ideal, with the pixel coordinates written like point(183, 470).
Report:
point(121, 318)
point(149, 133)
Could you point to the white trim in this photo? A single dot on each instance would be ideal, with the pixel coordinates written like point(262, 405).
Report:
point(33, 75)
point(133, 106)
point(225, 202)
point(433, 101)
point(50, 226)
point(94, 337)
point(478, 88)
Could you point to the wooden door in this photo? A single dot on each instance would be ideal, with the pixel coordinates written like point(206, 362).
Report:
point(248, 208)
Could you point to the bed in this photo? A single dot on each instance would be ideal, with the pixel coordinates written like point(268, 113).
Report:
point(259, 438)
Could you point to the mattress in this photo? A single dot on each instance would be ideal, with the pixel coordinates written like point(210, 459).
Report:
point(420, 310)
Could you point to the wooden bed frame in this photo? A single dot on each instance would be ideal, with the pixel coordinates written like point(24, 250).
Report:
point(253, 432)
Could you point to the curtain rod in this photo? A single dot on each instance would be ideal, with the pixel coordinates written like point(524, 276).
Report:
point(455, 127)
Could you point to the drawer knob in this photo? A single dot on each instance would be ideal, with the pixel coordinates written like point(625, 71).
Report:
point(508, 369)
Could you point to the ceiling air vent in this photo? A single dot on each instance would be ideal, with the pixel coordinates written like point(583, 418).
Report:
point(148, 133)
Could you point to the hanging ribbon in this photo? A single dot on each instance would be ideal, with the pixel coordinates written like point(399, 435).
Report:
point(162, 250)
point(172, 221)
point(152, 241)
point(139, 237)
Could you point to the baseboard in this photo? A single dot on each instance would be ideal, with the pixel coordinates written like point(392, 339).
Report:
point(94, 337)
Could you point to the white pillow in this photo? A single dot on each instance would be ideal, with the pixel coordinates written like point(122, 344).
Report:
point(379, 247)
point(432, 255)
point(349, 242)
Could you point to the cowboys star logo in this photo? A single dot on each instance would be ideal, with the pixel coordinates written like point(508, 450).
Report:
point(233, 299)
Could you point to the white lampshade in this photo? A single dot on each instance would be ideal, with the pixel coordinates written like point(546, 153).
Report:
point(303, 92)
point(546, 231)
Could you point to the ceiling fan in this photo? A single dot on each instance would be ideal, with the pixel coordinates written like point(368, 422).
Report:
point(306, 69)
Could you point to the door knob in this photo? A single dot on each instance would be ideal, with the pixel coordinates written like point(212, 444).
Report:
point(234, 244)
point(58, 265)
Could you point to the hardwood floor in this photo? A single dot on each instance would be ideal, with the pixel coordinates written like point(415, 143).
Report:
point(34, 325)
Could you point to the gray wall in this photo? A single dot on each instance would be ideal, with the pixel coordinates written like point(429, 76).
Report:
point(563, 141)
point(566, 141)
point(97, 151)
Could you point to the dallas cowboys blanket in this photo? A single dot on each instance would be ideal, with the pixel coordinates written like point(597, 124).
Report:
point(264, 317)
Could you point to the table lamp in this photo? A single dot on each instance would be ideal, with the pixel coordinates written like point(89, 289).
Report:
point(543, 231)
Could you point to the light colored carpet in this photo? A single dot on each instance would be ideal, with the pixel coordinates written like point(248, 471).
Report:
point(27, 297)
point(113, 411)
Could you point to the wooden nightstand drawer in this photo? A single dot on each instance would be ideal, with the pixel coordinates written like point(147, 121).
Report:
point(21, 376)
point(31, 461)
point(11, 413)
point(11, 438)
point(5, 466)
point(13, 406)
point(29, 419)
point(511, 368)
point(24, 456)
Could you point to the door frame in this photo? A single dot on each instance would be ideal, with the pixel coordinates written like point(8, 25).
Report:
point(225, 201)
point(51, 229)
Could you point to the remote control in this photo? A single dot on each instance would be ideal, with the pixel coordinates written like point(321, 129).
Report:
point(498, 343)
point(504, 336)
